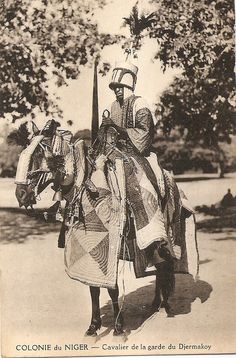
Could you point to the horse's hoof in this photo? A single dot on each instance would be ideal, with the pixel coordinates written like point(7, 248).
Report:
point(118, 328)
point(118, 331)
point(168, 309)
point(94, 326)
point(156, 305)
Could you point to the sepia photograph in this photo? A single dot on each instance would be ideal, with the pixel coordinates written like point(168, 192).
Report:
point(117, 178)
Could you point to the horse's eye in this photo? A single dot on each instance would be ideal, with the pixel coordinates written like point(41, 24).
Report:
point(22, 193)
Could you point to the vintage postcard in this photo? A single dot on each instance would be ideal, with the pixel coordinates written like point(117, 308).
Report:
point(117, 178)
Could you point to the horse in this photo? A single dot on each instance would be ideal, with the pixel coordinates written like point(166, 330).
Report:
point(86, 180)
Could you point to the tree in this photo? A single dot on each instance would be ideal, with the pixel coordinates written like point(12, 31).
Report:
point(200, 112)
point(9, 154)
point(179, 156)
point(198, 109)
point(43, 41)
point(196, 36)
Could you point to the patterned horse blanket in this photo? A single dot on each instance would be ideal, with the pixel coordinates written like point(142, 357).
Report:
point(93, 242)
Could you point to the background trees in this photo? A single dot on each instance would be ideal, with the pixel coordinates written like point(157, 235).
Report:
point(197, 109)
point(202, 112)
point(44, 41)
point(197, 36)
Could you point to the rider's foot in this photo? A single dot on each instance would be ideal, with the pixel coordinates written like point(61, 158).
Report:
point(94, 326)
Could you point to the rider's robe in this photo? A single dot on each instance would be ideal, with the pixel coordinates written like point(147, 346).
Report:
point(137, 208)
point(145, 187)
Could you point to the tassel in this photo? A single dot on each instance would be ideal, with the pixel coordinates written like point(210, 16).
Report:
point(53, 213)
point(82, 217)
point(59, 216)
point(62, 236)
point(76, 213)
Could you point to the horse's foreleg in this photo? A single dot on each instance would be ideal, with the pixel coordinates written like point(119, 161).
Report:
point(165, 283)
point(96, 319)
point(118, 325)
point(156, 303)
point(168, 284)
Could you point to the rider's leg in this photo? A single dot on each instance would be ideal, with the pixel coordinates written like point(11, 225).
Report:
point(96, 320)
point(118, 326)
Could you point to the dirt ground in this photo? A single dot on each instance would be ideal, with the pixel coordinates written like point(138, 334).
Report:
point(40, 305)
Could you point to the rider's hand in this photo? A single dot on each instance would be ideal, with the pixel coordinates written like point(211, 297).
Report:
point(107, 121)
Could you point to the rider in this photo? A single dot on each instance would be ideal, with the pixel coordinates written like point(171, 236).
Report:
point(130, 114)
point(129, 125)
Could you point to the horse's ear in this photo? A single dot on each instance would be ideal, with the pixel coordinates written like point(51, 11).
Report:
point(33, 128)
point(50, 128)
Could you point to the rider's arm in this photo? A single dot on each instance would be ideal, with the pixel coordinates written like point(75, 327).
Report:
point(120, 130)
point(142, 132)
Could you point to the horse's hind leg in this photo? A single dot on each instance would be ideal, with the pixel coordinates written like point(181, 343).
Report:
point(118, 325)
point(96, 319)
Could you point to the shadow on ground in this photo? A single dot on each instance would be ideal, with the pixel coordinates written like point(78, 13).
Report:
point(137, 305)
point(18, 227)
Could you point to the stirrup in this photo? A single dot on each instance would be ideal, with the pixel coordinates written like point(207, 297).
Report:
point(94, 326)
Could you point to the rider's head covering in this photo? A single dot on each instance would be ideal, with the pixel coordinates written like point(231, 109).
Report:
point(124, 75)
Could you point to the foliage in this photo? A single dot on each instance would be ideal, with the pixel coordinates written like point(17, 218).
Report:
point(20, 136)
point(195, 35)
point(9, 159)
point(9, 154)
point(230, 154)
point(202, 110)
point(177, 155)
point(42, 41)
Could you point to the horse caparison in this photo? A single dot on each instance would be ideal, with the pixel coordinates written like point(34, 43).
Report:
point(51, 161)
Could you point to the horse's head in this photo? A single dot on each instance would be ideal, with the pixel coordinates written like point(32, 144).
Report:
point(48, 158)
